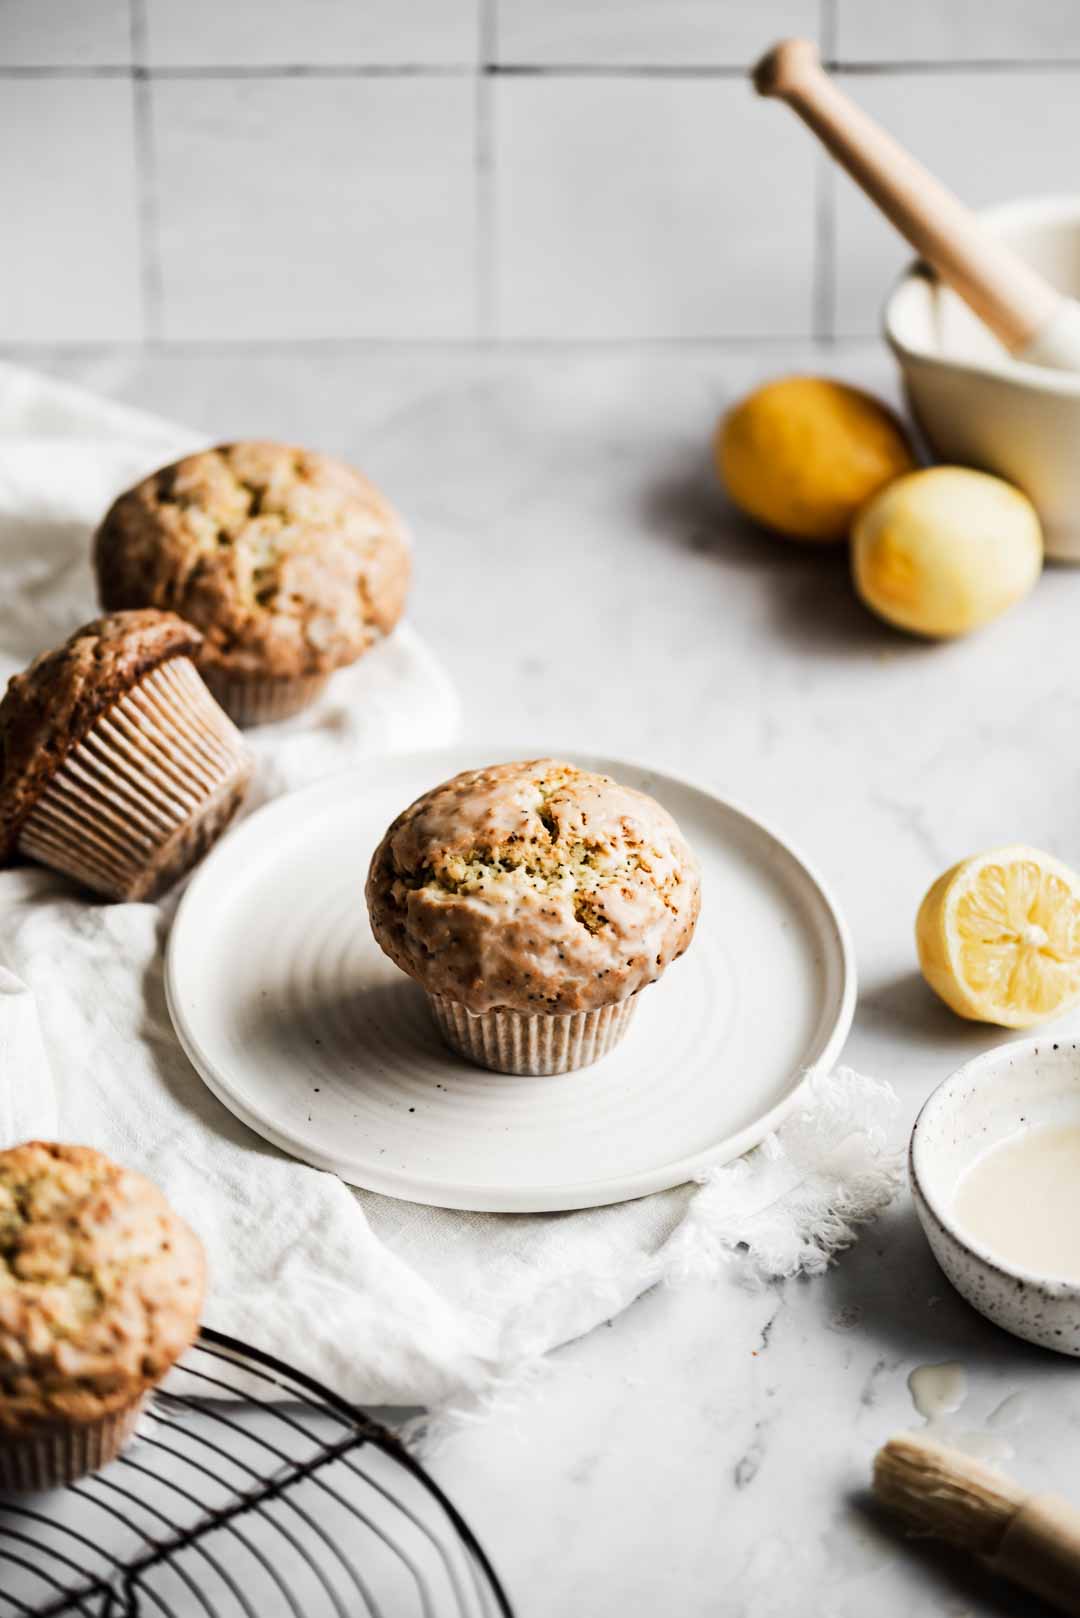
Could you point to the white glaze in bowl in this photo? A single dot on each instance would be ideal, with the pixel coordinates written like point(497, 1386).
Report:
point(976, 405)
point(1031, 1082)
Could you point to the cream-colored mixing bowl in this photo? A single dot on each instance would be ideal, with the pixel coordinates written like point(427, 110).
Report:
point(976, 405)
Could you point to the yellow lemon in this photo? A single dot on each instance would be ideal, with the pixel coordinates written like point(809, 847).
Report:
point(999, 937)
point(801, 455)
point(944, 551)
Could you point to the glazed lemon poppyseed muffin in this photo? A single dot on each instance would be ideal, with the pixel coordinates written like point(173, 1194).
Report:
point(117, 766)
point(100, 1291)
point(290, 563)
point(532, 902)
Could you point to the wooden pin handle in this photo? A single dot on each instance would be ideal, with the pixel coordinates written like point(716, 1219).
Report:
point(1014, 301)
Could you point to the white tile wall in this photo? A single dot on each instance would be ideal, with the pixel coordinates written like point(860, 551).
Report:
point(626, 205)
point(65, 33)
point(646, 33)
point(316, 208)
point(224, 33)
point(69, 266)
point(957, 30)
point(991, 136)
point(527, 169)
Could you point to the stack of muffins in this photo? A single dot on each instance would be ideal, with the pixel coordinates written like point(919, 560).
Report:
point(234, 583)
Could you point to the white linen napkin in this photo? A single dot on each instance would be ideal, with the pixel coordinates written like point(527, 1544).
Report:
point(389, 1302)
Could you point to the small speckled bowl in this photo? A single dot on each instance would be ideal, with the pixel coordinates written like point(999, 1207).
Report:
point(978, 1107)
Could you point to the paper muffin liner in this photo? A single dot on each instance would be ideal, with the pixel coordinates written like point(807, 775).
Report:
point(64, 1452)
point(262, 701)
point(532, 1044)
point(146, 792)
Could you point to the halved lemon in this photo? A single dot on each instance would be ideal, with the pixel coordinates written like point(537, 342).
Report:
point(999, 937)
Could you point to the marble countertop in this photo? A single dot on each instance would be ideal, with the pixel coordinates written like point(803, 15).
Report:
point(708, 1452)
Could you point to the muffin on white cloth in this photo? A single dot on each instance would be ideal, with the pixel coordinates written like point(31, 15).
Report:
point(532, 901)
point(290, 563)
point(117, 766)
point(101, 1285)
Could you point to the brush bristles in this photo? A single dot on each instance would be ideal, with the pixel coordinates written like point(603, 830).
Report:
point(949, 1494)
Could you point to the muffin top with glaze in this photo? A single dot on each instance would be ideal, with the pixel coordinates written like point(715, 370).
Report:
point(100, 1286)
point(289, 562)
point(537, 887)
point(50, 707)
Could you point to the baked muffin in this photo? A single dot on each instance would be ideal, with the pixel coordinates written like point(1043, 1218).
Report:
point(116, 764)
point(290, 563)
point(532, 901)
point(100, 1291)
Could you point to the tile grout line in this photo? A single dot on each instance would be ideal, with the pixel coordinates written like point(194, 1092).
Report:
point(823, 292)
point(827, 25)
point(823, 300)
point(485, 291)
point(359, 70)
point(495, 348)
point(271, 70)
point(146, 200)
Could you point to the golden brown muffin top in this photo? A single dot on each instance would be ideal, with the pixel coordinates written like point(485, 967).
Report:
point(290, 562)
point(100, 1286)
point(48, 709)
point(535, 886)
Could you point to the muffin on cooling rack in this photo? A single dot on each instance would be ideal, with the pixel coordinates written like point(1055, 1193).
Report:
point(532, 901)
point(290, 563)
point(117, 766)
point(100, 1291)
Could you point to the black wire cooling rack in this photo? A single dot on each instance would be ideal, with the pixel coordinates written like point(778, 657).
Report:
point(250, 1492)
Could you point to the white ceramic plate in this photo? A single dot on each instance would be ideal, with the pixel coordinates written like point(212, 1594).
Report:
point(304, 1029)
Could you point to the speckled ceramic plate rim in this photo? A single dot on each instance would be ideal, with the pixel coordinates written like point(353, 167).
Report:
point(1018, 1050)
point(834, 1023)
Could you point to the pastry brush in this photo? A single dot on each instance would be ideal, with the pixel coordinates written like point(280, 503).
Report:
point(1032, 1539)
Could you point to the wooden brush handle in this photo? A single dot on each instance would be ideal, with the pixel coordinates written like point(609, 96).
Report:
point(1032, 1539)
point(1013, 300)
point(1040, 1549)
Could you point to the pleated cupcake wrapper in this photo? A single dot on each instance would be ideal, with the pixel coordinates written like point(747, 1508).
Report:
point(261, 702)
point(61, 1454)
point(146, 791)
point(534, 1045)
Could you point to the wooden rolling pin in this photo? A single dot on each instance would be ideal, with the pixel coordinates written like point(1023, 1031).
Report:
point(1032, 1539)
point(1036, 323)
